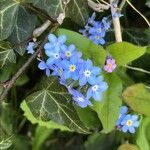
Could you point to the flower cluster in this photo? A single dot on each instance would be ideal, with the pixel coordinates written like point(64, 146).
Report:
point(96, 30)
point(127, 122)
point(110, 64)
point(81, 77)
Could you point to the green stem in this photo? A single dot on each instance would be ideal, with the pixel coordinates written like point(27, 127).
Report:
point(137, 69)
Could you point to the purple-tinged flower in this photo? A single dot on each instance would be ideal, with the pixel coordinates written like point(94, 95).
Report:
point(96, 90)
point(110, 65)
point(129, 123)
point(97, 39)
point(79, 99)
point(43, 66)
point(88, 73)
point(30, 48)
point(123, 112)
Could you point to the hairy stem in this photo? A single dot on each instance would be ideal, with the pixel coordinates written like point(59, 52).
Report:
point(8, 85)
point(137, 69)
point(116, 23)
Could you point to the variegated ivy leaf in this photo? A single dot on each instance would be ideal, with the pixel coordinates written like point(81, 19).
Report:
point(6, 54)
point(8, 15)
point(53, 102)
point(77, 10)
point(52, 7)
point(23, 28)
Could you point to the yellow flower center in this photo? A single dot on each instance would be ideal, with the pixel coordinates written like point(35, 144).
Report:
point(68, 53)
point(109, 65)
point(72, 68)
point(129, 123)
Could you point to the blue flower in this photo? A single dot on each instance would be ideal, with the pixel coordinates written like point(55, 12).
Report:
point(129, 123)
point(91, 20)
point(54, 43)
point(97, 39)
point(54, 57)
point(97, 29)
point(88, 73)
point(43, 66)
point(123, 112)
point(71, 68)
point(67, 51)
point(96, 90)
point(106, 24)
point(30, 47)
point(79, 99)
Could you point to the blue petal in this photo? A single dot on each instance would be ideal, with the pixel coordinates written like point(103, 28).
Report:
point(135, 117)
point(82, 81)
point(48, 46)
point(123, 109)
point(50, 61)
point(136, 123)
point(66, 74)
point(131, 130)
point(125, 129)
point(101, 41)
point(75, 76)
point(49, 53)
point(42, 65)
point(62, 39)
point(89, 93)
point(91, 80)
point(52, 38)
point(97, 96)
point(71, 47)
point(47, 72)
point(96, 70)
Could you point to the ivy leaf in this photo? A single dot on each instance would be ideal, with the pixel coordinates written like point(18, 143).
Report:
point(108, 109)
point(90, 51)
point(142, 138)
point(8, 15)
point(138, 98)
point(125, 52)
point(148, 3)
point(48, 124)
point(23, 28)
point(53, 102)
point(77, 10)
point(52, 7)
point(6, 53)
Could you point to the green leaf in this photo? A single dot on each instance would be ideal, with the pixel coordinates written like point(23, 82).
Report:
point(6, 54)
point(128, 147)
point(88, 117)
point(23, 79)
point(8, 15)
point(41, 134)
point(52, 7)
point(77, 10)
point(53, 102)
point(90, 51)
point(101, 142)
point(49, 124)
point(125, 52)
point(148, 3)
point(108, 109)
point(6, 131)
point(23, 28)
point(142, 139)
point(138, 98)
